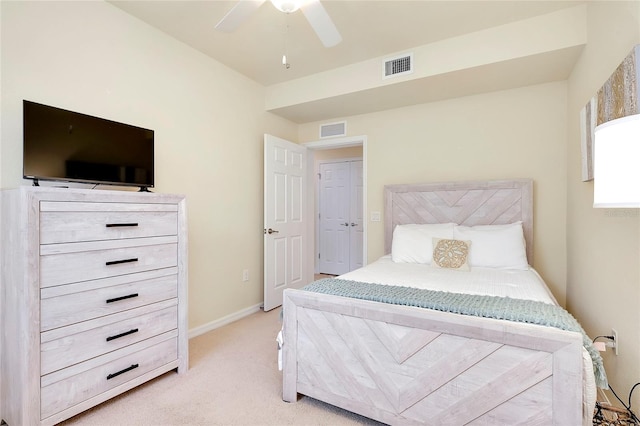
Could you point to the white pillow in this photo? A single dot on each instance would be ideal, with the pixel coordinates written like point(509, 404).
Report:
point(495, 246)
point(413, 243)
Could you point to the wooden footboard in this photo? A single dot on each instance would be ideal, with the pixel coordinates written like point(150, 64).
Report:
point(405, 365)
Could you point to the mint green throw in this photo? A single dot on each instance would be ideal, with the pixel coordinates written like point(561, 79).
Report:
point(504, 308)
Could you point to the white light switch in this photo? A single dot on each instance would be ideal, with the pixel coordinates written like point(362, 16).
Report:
point(375, 216)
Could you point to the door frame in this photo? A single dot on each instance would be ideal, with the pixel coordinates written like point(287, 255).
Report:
point(343, 142)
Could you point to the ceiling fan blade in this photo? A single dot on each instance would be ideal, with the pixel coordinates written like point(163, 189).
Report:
point(238, 14)
point(321, 23)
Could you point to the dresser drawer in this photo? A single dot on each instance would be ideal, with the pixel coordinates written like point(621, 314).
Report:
point(75, 262)
point(72, 303)
point(66, 388)
point(70, 345)
point(73, 226)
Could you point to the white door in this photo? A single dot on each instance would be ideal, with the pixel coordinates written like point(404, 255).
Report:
point(341, 230)
point(285, 174)
point(334, 217)
point(356, 221)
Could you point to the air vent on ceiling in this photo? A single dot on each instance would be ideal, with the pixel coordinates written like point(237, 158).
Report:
point(397, 66)
point(333, 129)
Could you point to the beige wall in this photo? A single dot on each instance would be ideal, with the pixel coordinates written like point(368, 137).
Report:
point(493, 136)
point(209, 123)
point(603, 245)
point(338, 153)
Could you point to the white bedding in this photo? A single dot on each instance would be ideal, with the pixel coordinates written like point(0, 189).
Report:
point(516, 284)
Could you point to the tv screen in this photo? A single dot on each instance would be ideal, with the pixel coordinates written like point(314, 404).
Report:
point(68, 146)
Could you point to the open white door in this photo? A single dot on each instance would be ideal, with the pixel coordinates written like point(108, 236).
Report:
point(285, 222)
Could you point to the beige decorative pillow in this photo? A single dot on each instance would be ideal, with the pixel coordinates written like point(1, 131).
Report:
point(451, 254)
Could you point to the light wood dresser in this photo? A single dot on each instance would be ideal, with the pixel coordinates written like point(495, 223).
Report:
point(94, 297)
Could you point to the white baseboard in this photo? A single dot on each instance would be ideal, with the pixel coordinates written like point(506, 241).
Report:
point(223, 321)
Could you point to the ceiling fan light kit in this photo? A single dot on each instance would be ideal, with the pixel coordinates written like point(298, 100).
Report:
point(313, 11)
point(286, 6)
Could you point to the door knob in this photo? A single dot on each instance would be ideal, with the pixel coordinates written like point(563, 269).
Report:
point(354, 224)
point(272, 231)
point(345, 224)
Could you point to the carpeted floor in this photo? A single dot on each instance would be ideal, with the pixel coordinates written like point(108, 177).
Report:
point(233, 380)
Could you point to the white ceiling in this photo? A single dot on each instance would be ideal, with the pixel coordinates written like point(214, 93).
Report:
point(369, 29)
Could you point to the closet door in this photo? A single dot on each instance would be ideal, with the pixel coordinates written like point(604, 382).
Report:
point(356, 223)
point(341, 219)
point(334, 217)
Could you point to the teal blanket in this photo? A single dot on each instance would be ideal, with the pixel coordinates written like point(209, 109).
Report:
point(504, 308)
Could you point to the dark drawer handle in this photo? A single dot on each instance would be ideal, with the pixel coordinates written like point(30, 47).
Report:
point(126, 333)
point(118, 225)
point(128, 296)
point(116, 262)
point(111, 376)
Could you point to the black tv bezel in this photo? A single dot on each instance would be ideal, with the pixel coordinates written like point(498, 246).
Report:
point(36, 179)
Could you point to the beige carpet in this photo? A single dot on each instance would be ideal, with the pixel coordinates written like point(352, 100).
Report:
point(233, 380)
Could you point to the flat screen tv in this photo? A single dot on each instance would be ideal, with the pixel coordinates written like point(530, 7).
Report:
point(61, 145)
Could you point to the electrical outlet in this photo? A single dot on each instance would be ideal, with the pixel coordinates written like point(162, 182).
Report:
point(616, 342)
point(245, 275)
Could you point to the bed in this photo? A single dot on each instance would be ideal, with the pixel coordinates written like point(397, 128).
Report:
point(402, 364)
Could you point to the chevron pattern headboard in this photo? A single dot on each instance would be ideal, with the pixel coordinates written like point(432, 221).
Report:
point(464, 203)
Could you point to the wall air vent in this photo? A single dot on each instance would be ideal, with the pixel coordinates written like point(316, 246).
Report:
point(329, 130)
point(398, 65)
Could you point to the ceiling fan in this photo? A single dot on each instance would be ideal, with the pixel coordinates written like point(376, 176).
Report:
point(313, 10)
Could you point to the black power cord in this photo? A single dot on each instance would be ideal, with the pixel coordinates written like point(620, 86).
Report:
point(603, 337)
point(626, 406)
point(631, 393)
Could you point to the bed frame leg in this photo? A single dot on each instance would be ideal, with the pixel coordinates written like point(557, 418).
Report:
point(289, 401)
point(289, 345)
point(289, 393)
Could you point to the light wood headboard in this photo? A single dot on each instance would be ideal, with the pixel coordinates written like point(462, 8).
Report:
point(464, 203)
